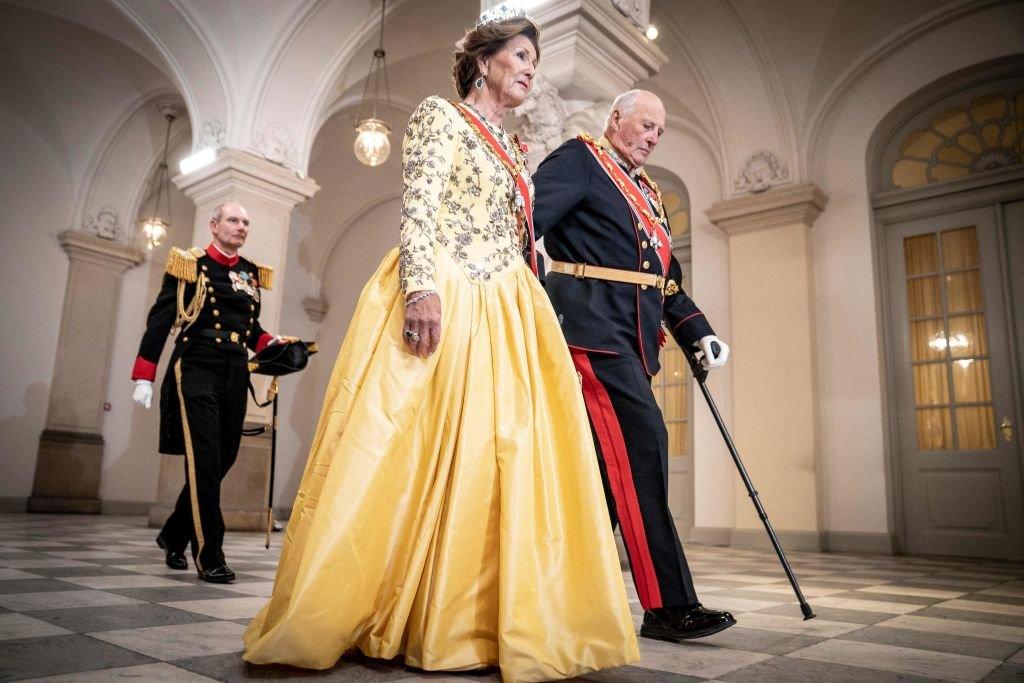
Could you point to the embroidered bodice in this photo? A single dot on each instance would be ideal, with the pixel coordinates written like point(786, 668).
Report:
point(458, 196)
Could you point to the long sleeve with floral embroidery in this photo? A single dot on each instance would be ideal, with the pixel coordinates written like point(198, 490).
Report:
point(458, 197)
point(427, 156)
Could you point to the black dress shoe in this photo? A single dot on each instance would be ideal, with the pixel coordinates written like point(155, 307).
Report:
point(676, 624)
point(221, 574)
point(175, 559)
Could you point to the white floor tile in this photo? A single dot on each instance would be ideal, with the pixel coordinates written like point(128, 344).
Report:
point(954, 627)
point(903, 660)
point(228, 608)
point(822, 628)
point(179, 641)
point(27, 602)
point(14, 625)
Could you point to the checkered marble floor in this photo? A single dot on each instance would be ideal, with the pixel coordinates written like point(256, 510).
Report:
point(87, 598)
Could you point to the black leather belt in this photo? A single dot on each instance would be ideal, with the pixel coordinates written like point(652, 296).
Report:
point(223, 336)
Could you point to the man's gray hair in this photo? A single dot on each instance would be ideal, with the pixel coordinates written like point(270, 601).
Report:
point(218, 212)
point(624, 104)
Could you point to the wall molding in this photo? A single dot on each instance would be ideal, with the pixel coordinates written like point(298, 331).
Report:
point(710, 535)
point(874, 542)
point(777, 207)
point(13, 504)
point(791, 540)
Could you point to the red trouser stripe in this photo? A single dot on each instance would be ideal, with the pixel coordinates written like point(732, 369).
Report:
point(620, 478)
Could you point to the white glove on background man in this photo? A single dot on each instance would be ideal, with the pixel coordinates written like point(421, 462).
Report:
point(143, 394)
point(709, 360)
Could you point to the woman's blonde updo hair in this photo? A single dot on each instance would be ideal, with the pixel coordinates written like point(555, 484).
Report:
point(482, 42)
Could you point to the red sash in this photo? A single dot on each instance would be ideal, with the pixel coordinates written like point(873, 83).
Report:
point(636, 200)
point(510, 165)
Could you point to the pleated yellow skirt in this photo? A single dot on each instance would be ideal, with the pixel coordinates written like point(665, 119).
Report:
point(451, 509)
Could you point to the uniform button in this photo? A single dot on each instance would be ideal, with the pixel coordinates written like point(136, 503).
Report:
point(205, 268)
point(252, 307)
point(643, 286)
point(644, 244)
point(213, 299)
point(216, 312)
point(250, 274)
point(216, 326)
point(218, 340)
point(184, 339)
point(647, 264)
point(247, 332)
point(209, 290)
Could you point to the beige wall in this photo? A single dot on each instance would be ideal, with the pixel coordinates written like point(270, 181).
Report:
point(847, 333)
point(33, 274)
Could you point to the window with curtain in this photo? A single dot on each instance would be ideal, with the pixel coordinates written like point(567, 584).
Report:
point(948, 341)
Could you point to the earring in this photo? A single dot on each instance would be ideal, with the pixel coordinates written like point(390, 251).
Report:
point(479, 83)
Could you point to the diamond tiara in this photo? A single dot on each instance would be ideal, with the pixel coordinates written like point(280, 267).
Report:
point(502, 12)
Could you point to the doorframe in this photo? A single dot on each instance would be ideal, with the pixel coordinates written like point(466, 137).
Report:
point(992, 189)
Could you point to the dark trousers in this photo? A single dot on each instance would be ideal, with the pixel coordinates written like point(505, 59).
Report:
point(211, 385)
point(632, 446)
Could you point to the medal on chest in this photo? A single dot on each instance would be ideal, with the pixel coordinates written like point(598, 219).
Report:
point(241, 281)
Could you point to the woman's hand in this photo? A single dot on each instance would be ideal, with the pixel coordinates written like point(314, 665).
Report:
point(422, 331)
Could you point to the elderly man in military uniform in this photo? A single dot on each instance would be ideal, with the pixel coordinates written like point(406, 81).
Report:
point(613, 283)
point(210, 299)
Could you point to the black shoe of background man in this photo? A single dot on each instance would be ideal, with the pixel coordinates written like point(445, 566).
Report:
point(676, 624)
point(175, 559)
point(221, 574)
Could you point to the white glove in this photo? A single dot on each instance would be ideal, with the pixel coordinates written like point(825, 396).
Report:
point(143, 394)
point(708, 359)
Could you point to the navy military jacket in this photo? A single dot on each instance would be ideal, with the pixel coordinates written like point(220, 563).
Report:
point(227, 322)
point(585, 219)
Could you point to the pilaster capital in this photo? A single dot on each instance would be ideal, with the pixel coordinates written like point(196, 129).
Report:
point(236, 169)
point(592, 50)
point(779, 206)
point(83, 246)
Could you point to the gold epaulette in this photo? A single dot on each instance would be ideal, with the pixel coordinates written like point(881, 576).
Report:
point(182, 264)
point(197, 252)
point(266, 276)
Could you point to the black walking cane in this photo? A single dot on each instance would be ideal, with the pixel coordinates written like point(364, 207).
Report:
point(262, 429)
point(700, 373)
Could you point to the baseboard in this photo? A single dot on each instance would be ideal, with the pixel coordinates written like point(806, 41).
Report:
point(875, 542)
point(13, 504)
point(710, 535)
point(131, 508)
point(757, 539)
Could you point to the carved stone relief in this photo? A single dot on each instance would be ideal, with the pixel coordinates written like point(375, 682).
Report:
point(105, 223)
point(637, 11)
point(546, 120)
point(762, 171)
point(276, 143)
point(213, 134)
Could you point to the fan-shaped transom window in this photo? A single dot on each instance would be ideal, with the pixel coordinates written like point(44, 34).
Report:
point(985, 135)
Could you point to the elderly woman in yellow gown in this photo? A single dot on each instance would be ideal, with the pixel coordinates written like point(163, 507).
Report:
point(451, 510)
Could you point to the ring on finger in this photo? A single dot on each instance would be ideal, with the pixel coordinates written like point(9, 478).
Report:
point(413, 336)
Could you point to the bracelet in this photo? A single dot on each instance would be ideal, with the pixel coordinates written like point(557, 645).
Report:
point(420, 296)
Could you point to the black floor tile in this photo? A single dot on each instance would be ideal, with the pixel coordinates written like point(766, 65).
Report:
point(91, 620)
point(37, 657)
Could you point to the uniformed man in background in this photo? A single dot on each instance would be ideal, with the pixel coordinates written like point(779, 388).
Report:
point(210, 299)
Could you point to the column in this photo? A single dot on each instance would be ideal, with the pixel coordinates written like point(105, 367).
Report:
point(70, 458)
point(269, 193)
point(773, 364)
point(591, 50)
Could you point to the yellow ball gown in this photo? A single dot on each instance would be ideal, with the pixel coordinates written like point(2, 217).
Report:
point(451, 510)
